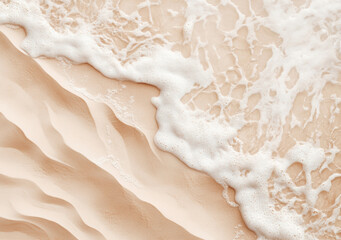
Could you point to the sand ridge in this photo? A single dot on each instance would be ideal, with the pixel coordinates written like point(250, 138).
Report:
point(55, 141)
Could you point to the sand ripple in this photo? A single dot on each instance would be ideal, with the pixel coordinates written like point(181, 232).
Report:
point(73, 167)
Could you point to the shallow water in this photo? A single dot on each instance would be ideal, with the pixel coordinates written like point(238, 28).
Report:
point(250, 92)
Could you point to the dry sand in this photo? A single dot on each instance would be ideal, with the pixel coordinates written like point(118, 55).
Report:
point(74, 168)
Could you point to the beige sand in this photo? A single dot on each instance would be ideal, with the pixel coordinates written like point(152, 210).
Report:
point(53, 146)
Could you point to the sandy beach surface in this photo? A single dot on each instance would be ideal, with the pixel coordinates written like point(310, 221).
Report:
point(215, 120)
point(62, 179)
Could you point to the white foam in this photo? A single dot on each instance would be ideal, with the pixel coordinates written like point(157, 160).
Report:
point(310, 37)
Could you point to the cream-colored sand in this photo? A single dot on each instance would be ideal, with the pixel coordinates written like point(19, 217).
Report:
point(62, 178)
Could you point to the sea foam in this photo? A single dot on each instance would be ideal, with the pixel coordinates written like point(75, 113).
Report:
point(248, 90)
